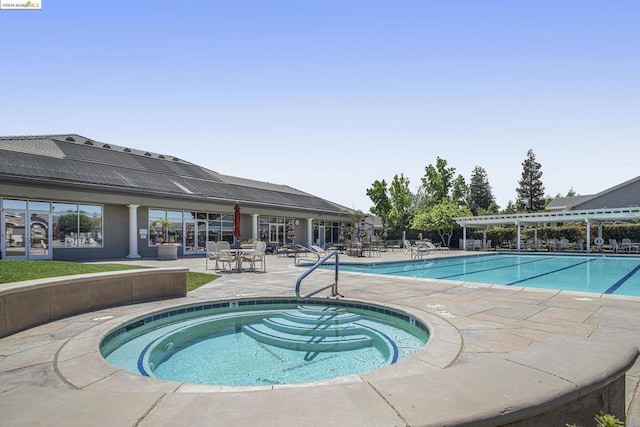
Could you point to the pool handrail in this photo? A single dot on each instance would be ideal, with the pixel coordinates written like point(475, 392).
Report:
point(321, 261)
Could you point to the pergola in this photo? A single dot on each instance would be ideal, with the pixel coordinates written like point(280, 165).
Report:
point(589, 216)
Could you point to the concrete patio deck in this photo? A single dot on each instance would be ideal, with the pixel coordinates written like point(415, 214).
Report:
point(36, 387)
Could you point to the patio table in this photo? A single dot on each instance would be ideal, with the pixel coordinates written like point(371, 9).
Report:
point(238, 256)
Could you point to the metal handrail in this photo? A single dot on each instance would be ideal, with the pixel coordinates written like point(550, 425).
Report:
point(333, 286)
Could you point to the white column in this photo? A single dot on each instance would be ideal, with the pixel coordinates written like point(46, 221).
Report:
point(519, 234)
point(309, 232)
point(254, 226)
point(133, 231)
point(464, 237)
point(588, 236)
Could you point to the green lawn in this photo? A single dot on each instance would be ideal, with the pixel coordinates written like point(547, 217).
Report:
point(17, 271)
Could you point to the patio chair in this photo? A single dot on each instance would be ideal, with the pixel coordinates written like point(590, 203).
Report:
point(613, 245)
point(258, 254)
point(487, 245)
point(564, 244)
point(220, 252)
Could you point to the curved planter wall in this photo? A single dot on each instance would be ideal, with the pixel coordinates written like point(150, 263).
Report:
point(34, 302)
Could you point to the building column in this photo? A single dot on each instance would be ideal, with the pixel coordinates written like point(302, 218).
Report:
point(254, 226)
point(309, 232)
point(133, 231)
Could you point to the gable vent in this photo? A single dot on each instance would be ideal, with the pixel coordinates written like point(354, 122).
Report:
point(128, 150)
point(70, 139)
point(106, 146)
point(86, 142)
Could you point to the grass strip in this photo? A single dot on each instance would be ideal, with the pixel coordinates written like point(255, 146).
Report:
point(18, 271)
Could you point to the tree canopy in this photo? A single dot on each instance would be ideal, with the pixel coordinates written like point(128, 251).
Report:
point(393, 204)
point(440, 219)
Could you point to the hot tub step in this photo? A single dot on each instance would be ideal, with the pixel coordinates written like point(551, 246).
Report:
point(313, 318)
point(306, 329)
point(267, 335)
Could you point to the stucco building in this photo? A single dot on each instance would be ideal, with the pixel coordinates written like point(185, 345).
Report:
point(68, 197)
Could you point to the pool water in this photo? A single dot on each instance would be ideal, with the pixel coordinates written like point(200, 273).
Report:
point(618, 275)
point(238, 347)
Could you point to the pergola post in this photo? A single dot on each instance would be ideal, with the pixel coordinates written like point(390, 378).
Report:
point(519, 233)
point(484, 237)
point(464, 237)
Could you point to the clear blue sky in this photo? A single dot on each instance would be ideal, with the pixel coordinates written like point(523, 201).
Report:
point(328, 96)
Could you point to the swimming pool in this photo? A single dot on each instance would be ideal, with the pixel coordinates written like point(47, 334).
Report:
point(618, 275)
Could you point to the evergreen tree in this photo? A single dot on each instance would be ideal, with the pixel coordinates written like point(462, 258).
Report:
point(480, 194)
point(530, 191)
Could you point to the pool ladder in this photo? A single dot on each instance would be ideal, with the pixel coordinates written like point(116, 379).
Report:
point(333, 286)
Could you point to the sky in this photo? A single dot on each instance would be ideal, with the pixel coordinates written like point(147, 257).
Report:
point(329, 96)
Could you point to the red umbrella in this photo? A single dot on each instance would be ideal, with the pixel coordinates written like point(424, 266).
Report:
point(236, 221)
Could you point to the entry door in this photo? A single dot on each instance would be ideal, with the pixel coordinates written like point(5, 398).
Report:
point(321, 236)
point(195, 236)
point(26, 236)
point(39, 237)
point(276, 233)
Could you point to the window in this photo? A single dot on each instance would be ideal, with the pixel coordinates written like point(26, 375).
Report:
point(165, 226)
point(77, 225)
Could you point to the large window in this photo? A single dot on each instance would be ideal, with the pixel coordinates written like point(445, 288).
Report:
point(220, 227)
point(165, 226)
point(334, 232)
point(77, 225)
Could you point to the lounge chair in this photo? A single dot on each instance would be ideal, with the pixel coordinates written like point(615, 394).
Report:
point(418, 250)
point(256, 255)
point(564, 245)
point(435, 248)
point(318, 250)
point(487, 245)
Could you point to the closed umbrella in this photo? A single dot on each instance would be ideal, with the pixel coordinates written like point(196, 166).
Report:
point(236, 221)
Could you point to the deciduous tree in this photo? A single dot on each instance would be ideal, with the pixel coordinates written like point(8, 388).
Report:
point(401, 213)
point(440, 219)
point(379, 195)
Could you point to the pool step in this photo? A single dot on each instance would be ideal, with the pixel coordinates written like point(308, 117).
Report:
point(312, 328)
point(313, 343)
point(324, 318)
point(325, 329)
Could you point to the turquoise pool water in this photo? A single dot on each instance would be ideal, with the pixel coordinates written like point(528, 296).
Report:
point(261, 343)
point(600, 274)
